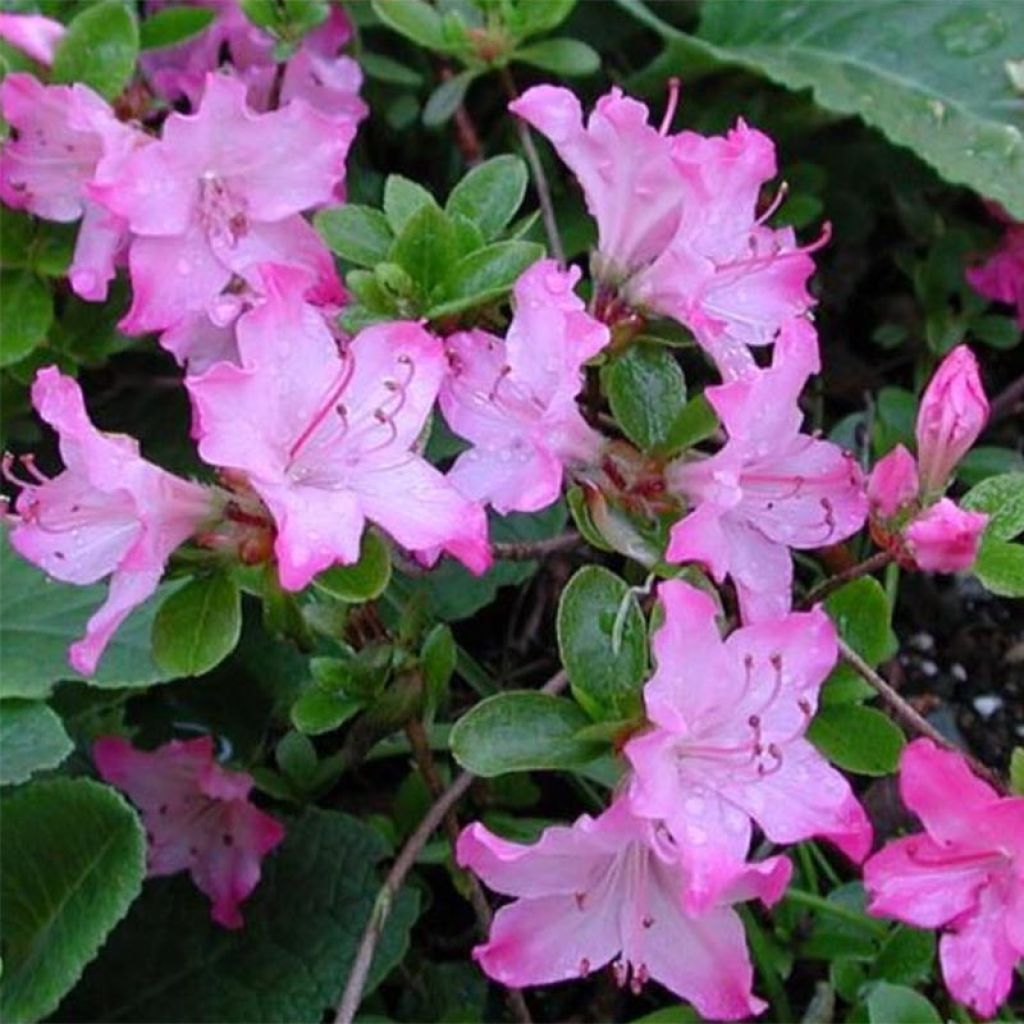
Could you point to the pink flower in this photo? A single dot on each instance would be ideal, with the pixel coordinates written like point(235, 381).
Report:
point(609, 889)
point(197, 816)
point(516, 399)
point(327, 434)
point(893, 484)
point(66, 138)
point(953, 413)
point(109, 513)
point(770, 488)
point(218, 195)
point(728, 744)
point(965, 872)
point(945, 537)
point(32, 34)
point(1001, 276)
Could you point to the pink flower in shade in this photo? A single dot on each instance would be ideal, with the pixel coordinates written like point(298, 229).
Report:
point(327, 434)
point(966, 871)
point(197, 817)
point(609, 889)
point(66, 137)
point(32, 34)
point(953, 413)
point(893, 484)
point(1001, 276)
point(109, 513)
point(945, 537)
point(727, 745)
point(218, 195)
point(516, 399)
point(770, 488)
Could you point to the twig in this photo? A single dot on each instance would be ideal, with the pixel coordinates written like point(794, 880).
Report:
point(877, 561)
point(540, 181)
point(1006, 401)
point(466, 137)
point(522, 551)
point(905, 714)
point(404, 862)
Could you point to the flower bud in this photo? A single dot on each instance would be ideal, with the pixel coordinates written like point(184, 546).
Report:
point(893, 483)
point(945, 538)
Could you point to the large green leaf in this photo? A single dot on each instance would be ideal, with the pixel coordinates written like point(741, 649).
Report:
point(32, 739)
point(168, 961)
point(39, 618)
point(26, 313)
point(99, 48)
point(198, 626)
point(931, 76)
point(857, 739)
point(72, 858)
point(861, 613)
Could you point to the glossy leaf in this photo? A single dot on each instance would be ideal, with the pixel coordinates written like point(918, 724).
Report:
point(363, 581)
point(357, 233)
point(32, 739)
point(99, 48)
point(490, 194)
point(198, 626)
point(857, 739)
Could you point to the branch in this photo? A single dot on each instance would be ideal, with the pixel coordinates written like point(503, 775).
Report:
point(908, 717)
point(353, 994)
point(540, 181)
point(522, 551)
point(877, 561)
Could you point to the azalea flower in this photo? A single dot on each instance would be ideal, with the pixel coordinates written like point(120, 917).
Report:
point(327, 434)
point(964, 873)
point(109, 513)
point(727, 747)
point(1001, 276)
point(197, 817)
point(609, 889)
point(516, 399)
point(770, 488)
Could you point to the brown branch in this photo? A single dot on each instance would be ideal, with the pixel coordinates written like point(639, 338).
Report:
point(353, 994)
point(877, 561)
point(910, 718)
point(1006, 401)
point(522, 551)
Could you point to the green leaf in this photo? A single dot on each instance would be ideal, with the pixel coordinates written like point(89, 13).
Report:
point(490, 194)
point(414, 19)
point(40, 618)
point(32, 739)
point(860, 611)
point(173, 25)
point(402, 199)
point(360, 234)
point(532, 18)
point(296, 757)
point(930, 76)
point(520, 731)
point(695, 423)
point(984, 461)
point(484, 276)
point(1017, 771)
point(647, 393)
point(447, 98)
point(317, 711)
point(99, 48)
point(386, 69)
point(425, 248)
point(602, 641)
point(198, 626)
point(895, 1004)
point(363, 581)
point(290, 961)
point(906, 957)
point(1000, 567)
point(438, 658)
point(568, 57)
point(26, 313)
point(1002, 497)
point(72, 859)
point(857, 739)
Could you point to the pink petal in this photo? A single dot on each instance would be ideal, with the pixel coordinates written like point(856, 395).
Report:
point(32, 34)
point(893, 483)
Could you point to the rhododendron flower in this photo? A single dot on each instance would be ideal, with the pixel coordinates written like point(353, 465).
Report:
point(727, 744)
point(66, 137)
point(327, 434)
point(945, 537)
point(109, 513)
point(677, 222)
point(609, 889)
point(894, 484)
point(197, 817)
point(966, 871)
point(1001, 276)
point(953, 413)
point(516, 399)
point(770, 488)
point(32, 34)
point(221, 193)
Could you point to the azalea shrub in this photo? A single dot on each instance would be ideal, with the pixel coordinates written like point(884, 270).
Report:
point(512, 510)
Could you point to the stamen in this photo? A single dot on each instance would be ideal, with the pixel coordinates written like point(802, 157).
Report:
point(780, 198)
point(670, 106)
point(502, 374)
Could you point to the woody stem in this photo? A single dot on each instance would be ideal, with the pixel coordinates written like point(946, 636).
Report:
point(521, 551)
point(877, 561)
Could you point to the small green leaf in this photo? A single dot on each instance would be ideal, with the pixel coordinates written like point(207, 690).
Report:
point(896, 1004)
point(317, 711)
point(695, 423)
point(425, 248)
point(984, 461)
point(296, 757)
point(860, 611)
point(857, 739)
point(99, 48)
point(360, 234)
point(447, 98)
point(402, 199)
point(26, 313)
point(438, 657)
point(484, 276)
point(906, 957)
point(490, 194)
point(647, 393)
point(1000, 567)
point(32, 739)
point(363, 581)
point(198, 626)
point(568, 57)
point(414, 19)
point(1017, 771)
point(72, 859)
point(520, 731)
point(1002, 497)
point(386, 69)
point(533, 19)
point(602, 641)
point(173, 25)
